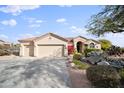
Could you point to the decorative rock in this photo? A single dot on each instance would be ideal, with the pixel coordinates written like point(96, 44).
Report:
point(94, 53)
point(103, 63)
point(72, 64)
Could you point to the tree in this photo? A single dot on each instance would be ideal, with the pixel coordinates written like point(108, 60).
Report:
point(114, 50)
point(105, 44)
point(110, 19)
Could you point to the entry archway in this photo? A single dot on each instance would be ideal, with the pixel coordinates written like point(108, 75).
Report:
point(79, 47)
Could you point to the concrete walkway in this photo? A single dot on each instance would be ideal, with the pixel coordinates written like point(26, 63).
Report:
point(78, 78)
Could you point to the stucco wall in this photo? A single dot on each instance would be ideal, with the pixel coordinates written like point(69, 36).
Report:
point(77, 40)
point(50, 40)
point(22, 47)
point(97, 46)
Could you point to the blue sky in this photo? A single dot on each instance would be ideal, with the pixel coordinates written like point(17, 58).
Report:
point(18, 22)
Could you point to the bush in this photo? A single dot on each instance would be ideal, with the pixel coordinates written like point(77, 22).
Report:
point(114, 50)
point(77, 56)
point(103, 76)
point(86, 51)
point(122, 50)
point(105, 44)
point(4, 52)
point(15, 53)
point(80, 65)
point(121, 73)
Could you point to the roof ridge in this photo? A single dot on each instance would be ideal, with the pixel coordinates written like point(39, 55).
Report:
point(36, 37)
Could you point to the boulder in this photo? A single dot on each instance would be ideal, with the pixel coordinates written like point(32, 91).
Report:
point(94, 59)
point(103, 63)
point(72, 64)
point(94, 53)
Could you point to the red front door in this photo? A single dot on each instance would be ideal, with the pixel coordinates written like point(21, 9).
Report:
point(70, 49)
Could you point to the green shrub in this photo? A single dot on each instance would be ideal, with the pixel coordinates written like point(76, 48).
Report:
point(114, 50)
point(105, 44)
point(103, 76)
point(16, 53)
point(122, 50)
point(77, 56)
point(86, 51)
point(4, 52)
point(80, 65)
point(121, 73)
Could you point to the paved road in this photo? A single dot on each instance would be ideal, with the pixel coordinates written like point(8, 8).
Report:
point(31, 73)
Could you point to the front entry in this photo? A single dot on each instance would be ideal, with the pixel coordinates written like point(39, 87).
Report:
point(79, 47)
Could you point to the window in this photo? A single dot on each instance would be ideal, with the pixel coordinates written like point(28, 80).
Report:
point(92, 45)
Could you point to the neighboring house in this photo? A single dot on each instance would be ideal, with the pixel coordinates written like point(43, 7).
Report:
point(2, 42)
point(53, 45)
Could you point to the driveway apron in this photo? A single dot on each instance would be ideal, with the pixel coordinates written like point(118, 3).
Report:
point(34, 73)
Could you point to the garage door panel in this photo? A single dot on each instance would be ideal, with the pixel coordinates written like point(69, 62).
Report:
point(50, 50)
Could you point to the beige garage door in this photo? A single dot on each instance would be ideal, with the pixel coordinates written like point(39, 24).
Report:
point(50, 50)
point(28, 50)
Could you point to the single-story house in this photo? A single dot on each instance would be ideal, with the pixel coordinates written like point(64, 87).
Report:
point(51, 44)
point(2, 42)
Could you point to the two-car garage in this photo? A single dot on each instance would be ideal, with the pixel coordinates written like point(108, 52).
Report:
point(48, 45)
point(50, 50)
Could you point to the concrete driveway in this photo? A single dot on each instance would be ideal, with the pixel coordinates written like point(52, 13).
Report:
point(33, 73)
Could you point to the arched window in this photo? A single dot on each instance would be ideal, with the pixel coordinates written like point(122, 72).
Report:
point(92, 45)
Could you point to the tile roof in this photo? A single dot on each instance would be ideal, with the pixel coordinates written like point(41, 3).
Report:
point(36, 38)
point(28, 39)
point(95, 41)
point(52, 34)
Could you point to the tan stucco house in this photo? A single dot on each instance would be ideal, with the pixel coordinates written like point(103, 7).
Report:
point(2, 42)
point(50, 44)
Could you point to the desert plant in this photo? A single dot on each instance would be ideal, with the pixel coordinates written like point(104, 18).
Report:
point(80, 65)
point(114, 50)
point(4, 52)
point(121, 73)
point(122, 50)
point(86, 51)
point(77, 56)
point(105, 44)
point(103, 76)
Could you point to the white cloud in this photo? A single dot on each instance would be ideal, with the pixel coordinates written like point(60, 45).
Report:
point(17, 9)
point(26, 35)
point(65, 5)
point(34, 25)
point(3, 37)
point(10, 22)
point(61, 20)
point(78, 30)
point(33, 22)
point(30, 19)
point(73, 27)
point(37, 32)
point(39, 21)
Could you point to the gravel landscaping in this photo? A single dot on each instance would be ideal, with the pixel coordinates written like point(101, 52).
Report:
point(19, 72)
